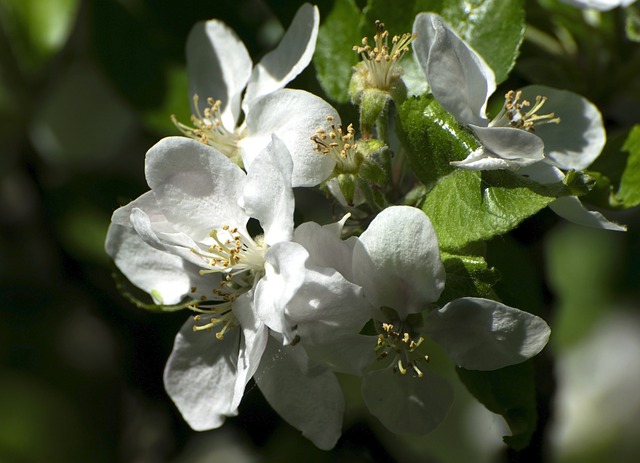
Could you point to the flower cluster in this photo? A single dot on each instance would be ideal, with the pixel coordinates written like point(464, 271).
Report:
point(291, 307)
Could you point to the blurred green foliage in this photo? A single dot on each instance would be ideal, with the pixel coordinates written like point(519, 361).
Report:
point(87, 86)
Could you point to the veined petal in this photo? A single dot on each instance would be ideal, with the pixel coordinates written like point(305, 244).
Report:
point(458, 76)
point(511, 144)
point(316, 303)
point(602, 5)
point(280, 66)
point(146, 202)
point(406, 404)
point(200, 376)
point(268, 195)
point(571, 209)
point(218, 66)
point(578, 139)
point(164, 275)
point(325, 247)
point(397, 261)
point(481, 159)
point(481, 334)
point(252, 342)
point(351, 354)
point(304, 393)
point(195, 186)
point(294, 116)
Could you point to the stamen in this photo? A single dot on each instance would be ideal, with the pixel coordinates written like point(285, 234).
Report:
point(513, 115)
point(403, 346)
point(381, 63)
point(339, 145)
point(208, 128)
point(238, 260)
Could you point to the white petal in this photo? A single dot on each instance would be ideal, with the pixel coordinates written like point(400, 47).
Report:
point(459, 78)
point(325, 247)
point(481, 334)
point(542, 172)
point(166, 276)
point(602, 5)
point(316, 303)
point(481, 159)
point(571, 209)
point(351, 354)
point(294, 116)
point(200, 376)
point(517, 146)
point(218, 66)
point(268, 195)
point(397, 261)
point(146, 202)
point(406, 404)
point(252, 343)
point(196, 187)
point(280, 66)
point(305, 394)
point(578, 139)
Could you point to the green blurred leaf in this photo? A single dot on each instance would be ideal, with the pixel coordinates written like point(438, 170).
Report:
point(509, 392)
point(464, 206)
point(582, 267)
point(176, 102)
point(495, 28)
point(629, 192)
point(334, 57)
point(632, 23)
point(467, 276)
point(37, 29)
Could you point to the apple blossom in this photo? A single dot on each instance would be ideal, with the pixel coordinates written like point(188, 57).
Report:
point(188, 239)
point(570, 136)
point(223, 84)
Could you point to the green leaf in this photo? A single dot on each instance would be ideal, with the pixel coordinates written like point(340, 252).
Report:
point(37, 28)
point(509, 392)
point(629, 192)
point(464, 206)
point(495, 28)
point(467, 206)
point(334, 57)
point(433, 138)
point(467, 276)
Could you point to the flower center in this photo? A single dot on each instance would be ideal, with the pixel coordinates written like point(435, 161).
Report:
point(380, 62)
point(239, 261)
point(208, 128)
point(403, 346)
point(515, 114)
point(338, 145)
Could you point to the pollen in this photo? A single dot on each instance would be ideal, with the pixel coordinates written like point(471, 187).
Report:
point(338, 144)
point(381, 60)
point(521, 114)
point(207, 128)
point(404, 347)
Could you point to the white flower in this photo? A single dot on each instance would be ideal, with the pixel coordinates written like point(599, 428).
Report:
point(188, 238)
point(570, 136)
point(223, 82)
point(398, 265)
point(602, 5)
point(396, 262)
